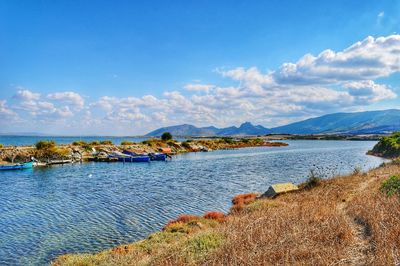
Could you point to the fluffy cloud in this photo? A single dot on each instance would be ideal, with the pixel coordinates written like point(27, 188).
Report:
point(26, 95)
point(68, 97)
point(369, 91)
point(43, 109)
point(369, 59)
point(198, 87)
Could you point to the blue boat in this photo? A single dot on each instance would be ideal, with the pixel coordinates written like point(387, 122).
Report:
point(134, 159)
point(158, 156)
point(17, 166)
point(127, 158)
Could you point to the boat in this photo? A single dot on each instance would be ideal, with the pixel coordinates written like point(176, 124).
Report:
point(16, 166)
point(134, 159)
point(158, 156)
point(128, 158)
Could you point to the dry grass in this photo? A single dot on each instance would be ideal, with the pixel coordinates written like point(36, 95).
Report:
point(342, 221)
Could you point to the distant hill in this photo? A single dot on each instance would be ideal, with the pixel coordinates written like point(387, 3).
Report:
point(370, 122)
point(190, 130)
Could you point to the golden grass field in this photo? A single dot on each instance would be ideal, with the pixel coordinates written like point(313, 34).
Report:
point(342, 221)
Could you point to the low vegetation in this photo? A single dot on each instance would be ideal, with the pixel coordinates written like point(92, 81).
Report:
point(388, 146)
point(350, 220)
point(312, 181)
point(84, 144)
point(48, 150)
point(106, 142)
point(127, 143)
point(391, 186)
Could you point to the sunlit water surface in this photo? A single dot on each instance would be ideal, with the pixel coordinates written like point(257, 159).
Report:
point(94, 206)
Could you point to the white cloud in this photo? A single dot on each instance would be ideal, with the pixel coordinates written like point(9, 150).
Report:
point(369, 91)
point(26, 95)
point(369, 59)
point(198, 87)
point(5, 111)
point(68, 97)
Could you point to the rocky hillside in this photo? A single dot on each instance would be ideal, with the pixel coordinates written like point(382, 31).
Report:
point(371, 122)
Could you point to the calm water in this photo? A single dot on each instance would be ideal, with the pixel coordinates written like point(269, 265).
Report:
point(93, 206)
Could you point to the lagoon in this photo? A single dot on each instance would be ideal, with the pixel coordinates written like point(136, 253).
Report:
point(88, 207)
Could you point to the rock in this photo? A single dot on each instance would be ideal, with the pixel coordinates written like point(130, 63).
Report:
point(277, 189)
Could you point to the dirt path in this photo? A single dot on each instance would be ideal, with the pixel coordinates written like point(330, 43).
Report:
point(359, 251)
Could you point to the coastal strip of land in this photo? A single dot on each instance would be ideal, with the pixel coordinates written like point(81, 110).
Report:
point(49, 151)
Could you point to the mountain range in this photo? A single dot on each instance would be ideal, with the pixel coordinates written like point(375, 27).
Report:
point(369, 122)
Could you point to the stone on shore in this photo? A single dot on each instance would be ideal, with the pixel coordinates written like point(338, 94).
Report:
point(277, 189)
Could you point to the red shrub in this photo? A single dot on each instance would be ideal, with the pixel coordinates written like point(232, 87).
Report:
point(185, 218)
point(244, 198)
point(219, 216)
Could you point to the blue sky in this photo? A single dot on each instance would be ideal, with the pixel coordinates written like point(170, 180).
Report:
point(126, 67)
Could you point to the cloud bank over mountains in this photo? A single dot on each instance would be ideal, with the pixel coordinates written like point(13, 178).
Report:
point(315, 84)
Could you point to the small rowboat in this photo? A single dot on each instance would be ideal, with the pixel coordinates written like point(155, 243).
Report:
point(17, 166)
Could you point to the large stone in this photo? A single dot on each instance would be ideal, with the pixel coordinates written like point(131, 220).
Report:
point(277, 189)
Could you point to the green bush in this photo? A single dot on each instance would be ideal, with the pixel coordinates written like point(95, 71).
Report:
point(45, 144)
point(83, 144)
point(1, 146)
point(79, 143)
point(166, 136)
point(126, 143)
point(388, 146)
point(106, 142)
point(49, 150)
point(95, 142)
point(391, 186)
point(227, 140)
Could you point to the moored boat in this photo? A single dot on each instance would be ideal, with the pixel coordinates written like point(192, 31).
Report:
point(122, 157)
point(134, 159)
point(16, 166)
point(158, 156)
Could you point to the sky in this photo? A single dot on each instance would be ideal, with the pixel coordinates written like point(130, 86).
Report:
point(129, 67)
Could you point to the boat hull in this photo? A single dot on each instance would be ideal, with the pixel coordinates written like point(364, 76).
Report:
point(158, 157)
point(134, 159)
point(18, 166)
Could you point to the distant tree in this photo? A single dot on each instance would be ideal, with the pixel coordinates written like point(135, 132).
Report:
point(166, 136)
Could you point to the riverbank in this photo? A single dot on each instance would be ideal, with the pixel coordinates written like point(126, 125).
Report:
point(343, 220)
point(86, 151)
